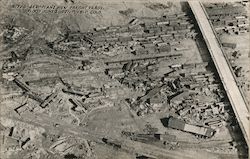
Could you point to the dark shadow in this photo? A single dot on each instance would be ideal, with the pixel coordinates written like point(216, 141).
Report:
point(200, 43)
point(202, 48)
point(238, 139)
point(142, 157)
point(184, 7)
point(70, 156)
point(164, 121)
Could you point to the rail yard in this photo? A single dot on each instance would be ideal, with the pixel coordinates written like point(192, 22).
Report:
point(131, 80)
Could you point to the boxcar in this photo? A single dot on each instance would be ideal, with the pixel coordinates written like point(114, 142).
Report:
point(181, 125)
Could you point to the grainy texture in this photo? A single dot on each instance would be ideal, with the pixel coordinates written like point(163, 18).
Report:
point(123, 79)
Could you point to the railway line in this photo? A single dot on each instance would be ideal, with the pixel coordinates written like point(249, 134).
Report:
point(132, 147)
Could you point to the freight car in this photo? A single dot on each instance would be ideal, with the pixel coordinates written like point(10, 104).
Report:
point(229, 45)
point(181, 125)
point(141, 137)
point(115, 143)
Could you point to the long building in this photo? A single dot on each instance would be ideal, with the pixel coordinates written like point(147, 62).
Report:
point(228, 80)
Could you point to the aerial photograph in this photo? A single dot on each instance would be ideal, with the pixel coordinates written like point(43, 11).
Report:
point(124, 79)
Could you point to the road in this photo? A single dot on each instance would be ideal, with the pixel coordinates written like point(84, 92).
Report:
point(237, 101)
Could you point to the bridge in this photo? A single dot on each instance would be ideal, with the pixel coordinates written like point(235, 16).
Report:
point(224, 70)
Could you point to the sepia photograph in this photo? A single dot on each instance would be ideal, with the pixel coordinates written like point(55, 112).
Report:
point(124, 79)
